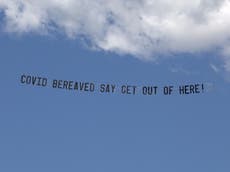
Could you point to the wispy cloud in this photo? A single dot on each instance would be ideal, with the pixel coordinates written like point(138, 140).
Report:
point(145, 29)
point(214, 68)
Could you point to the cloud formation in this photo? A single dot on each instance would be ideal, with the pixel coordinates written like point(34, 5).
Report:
point(145, 29)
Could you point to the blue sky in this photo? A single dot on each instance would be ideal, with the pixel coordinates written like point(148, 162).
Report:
point(46, 129)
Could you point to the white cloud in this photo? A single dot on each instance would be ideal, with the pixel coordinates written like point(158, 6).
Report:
point(226, 57)
point(143, 28)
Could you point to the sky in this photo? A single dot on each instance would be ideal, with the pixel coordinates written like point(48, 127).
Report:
point(138, 43)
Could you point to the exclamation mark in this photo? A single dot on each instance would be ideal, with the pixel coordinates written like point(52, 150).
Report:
point(202, 88)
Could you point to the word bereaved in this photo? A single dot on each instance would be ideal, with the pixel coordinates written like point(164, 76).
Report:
point(71, 85)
